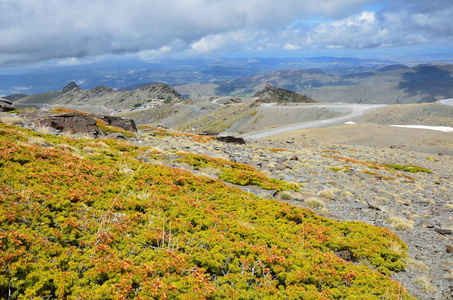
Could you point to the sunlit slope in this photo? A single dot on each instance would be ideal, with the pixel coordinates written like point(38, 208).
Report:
point(90, 219)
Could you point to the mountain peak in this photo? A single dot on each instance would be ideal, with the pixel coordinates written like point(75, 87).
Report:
point(72, 85)
point(281, 95)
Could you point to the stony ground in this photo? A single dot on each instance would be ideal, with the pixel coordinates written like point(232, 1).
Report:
point(341, 183)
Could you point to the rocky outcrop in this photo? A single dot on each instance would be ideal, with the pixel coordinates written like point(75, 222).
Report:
point(71, 86)
point(99, 91)
point(161, 91)
point(281, 95)
point(6, 105)
point(76, 122)
point(71, 123)
point(126, 124)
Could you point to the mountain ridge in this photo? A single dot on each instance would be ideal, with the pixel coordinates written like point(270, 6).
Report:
point(102, 95)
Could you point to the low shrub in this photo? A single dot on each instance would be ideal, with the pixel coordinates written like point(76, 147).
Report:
point(81, 227)
point(314, 202)
point(400, 223)
point(407, 168)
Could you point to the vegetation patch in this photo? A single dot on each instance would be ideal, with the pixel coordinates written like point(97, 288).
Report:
point(236, 173)
point(407, 168)
point(377, 166)
point(69, 111)
point(77, 226)
point(157, 131)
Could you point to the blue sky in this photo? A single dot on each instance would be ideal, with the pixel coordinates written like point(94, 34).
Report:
point(69, 32)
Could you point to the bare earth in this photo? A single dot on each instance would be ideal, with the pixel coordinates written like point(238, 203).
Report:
point(375, 135)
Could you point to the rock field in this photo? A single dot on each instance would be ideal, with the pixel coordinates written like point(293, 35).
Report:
point(350, 183)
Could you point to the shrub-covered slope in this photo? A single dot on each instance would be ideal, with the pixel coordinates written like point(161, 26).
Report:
point(86, 219)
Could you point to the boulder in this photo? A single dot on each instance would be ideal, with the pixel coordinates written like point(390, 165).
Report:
point(231, 139)
point(72, 123)
point(6, 105)
point(126, 124)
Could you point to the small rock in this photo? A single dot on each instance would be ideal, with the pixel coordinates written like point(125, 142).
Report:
point(442, 231)
point(281, 160)
point(290, 142)
point(449, 248)
point(294, 158)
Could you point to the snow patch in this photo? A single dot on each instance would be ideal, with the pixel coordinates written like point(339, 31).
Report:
point(437, 128)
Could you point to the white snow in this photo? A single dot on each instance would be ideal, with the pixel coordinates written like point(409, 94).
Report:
point(438, 128)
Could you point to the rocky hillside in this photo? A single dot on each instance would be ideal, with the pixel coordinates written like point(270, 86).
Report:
point(275, 94)
point(102, 97)
point(113, 219)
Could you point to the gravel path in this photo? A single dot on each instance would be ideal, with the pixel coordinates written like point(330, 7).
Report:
point(354, 110)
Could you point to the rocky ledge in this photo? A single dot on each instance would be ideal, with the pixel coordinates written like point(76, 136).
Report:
point(65, 121)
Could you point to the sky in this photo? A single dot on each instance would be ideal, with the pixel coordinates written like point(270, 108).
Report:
point(70, 32)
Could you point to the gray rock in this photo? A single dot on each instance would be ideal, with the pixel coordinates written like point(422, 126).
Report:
point(6, 106)
point(126, 124)
point(72, 123)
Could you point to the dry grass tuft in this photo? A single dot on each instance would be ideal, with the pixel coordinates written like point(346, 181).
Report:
point(416, 265)
point(314, 202)
point(323, 211)
point(212, 170)
point(425, 284)
point(396, 247)
point(11, 119)
point(38, 141)
point(346, 194)
point(43, 129)
point(381, 198)
point(286, 195)
point(328, 194)
point(400, 223)
point(363, 261)
point(265, 195)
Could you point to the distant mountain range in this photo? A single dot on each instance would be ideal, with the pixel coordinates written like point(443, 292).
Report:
point(388, 84)
point(137, 73)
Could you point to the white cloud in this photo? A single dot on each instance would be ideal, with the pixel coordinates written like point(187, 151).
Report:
point(39, 29)
point(36, 30)
point(402, 26)
point(219, 42)
point(291, 47)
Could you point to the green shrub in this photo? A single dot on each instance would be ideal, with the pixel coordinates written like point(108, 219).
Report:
point(81, 227)
point(407, 168)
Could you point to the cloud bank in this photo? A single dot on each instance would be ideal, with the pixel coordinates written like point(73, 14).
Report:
point(38, 30)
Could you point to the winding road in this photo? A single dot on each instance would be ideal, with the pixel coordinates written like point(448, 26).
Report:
point(353, 109)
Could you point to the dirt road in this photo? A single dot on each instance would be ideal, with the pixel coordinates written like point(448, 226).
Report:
point(353, 109)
